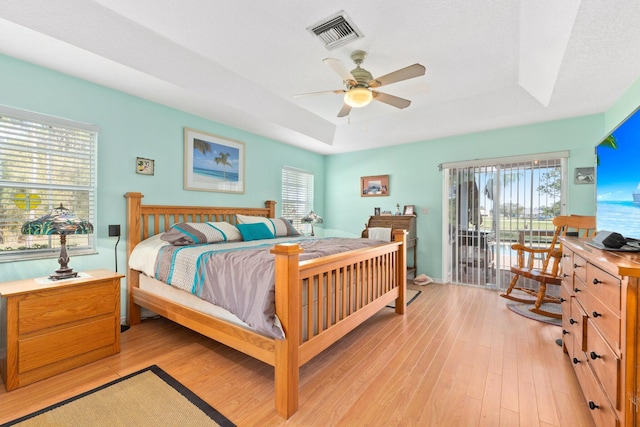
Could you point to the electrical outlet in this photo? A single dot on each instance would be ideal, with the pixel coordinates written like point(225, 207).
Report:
point(114, 230)
point(425, 210)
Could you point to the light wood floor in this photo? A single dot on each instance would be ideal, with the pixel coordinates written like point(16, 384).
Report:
point(458, 358)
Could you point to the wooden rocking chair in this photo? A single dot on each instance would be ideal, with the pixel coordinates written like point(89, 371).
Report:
point(549, 273)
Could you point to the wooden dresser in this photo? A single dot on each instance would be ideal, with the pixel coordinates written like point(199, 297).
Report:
point(48, 327)
point(600, 329)
point(397, 222)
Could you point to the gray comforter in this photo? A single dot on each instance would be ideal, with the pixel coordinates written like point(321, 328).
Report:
point(241, 280)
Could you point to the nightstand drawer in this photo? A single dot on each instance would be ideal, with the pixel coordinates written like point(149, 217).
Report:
point(62, 344)
point(48, 309)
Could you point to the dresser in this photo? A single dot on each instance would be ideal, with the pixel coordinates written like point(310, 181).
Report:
point(48, 327)
point(599, 297)
point(398, 222)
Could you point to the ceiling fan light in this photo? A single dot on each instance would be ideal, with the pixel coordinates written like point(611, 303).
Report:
point(358, 97)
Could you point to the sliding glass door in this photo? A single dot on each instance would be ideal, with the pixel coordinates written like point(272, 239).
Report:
point(492, 204)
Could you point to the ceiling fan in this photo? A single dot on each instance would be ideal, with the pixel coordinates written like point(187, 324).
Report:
point(359, 83)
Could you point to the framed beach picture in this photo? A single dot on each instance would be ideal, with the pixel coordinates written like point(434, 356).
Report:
point(212, 163)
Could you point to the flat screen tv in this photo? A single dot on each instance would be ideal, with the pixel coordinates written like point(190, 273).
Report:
point(618, 179)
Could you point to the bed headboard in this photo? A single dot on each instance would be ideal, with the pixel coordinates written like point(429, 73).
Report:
point(144, 221)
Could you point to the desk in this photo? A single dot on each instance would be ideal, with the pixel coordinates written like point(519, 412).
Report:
point(398, 222)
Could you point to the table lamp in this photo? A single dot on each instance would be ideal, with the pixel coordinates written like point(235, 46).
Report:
point(312, 218)
point(60, 221)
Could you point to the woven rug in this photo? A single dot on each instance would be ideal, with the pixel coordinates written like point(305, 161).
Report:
point(149, 397)
point(411, 295)
point(523, 310)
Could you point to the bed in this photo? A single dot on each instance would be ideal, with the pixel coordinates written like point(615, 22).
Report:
point(317, 301)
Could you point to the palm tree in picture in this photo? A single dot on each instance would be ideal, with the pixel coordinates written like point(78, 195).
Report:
point(202, 146)
point(222, 159)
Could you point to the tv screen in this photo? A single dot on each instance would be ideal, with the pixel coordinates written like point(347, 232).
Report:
point(618, 179)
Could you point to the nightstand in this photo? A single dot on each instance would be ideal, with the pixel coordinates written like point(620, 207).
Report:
point(48, 327)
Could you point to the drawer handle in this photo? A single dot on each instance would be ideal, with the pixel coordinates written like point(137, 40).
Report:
point(573, 322)
point(562, 299)
point(592, 405)
point(596, 281)
point(596, 314)
point(566, 256)
point(575, 265)
point(577, 290)
point(565, 332)
point(575, 361)
point(595, 355)
point(565, 275)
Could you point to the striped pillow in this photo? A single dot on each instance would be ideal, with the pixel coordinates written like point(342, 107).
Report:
point(280, 227)
point(195, 233)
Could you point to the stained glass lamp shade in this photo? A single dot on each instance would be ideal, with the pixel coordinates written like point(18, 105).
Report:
point(60, 221)
point(312, 218)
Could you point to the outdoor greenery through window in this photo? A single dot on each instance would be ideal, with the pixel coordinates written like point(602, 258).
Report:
point(297, 195)
point(45, 162)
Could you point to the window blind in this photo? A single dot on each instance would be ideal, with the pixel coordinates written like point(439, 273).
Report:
point(45, 162)
point(297, 194)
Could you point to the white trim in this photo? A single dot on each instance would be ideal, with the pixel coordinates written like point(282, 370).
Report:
point(44, 118)
point(508, 159)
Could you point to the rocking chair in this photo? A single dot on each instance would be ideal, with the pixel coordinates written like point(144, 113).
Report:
point(549, 272)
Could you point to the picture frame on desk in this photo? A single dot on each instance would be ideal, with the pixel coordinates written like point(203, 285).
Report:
point(376, 211)
point(409, 210)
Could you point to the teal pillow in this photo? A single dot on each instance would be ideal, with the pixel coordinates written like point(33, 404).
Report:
point(255, 231)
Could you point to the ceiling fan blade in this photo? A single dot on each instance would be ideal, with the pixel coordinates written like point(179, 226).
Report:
point(345, 111)
point(405, 73)
point(324, 92)
point(394, 101)
point(341, 70)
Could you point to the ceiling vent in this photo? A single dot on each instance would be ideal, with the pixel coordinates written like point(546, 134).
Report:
point(335, 31)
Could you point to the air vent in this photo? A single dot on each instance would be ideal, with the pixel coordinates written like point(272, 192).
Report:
point(335, 31)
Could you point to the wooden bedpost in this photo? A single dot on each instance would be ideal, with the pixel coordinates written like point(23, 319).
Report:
point(288, 301)
point(271, 205)
point(400, 235)
point(134, 203)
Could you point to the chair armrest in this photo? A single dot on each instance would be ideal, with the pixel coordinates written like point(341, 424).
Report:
point(519, 247)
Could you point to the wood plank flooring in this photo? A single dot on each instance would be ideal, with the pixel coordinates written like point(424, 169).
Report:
point(458, 358)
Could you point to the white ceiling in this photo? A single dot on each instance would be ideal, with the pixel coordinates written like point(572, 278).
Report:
point(490, 63)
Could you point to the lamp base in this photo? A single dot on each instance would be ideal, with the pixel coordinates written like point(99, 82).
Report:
point(63, 274)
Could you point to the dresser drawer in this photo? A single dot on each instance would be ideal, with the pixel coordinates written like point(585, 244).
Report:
point(576, 326)
point(48, 309)
point(579, 267)
point(566, 265)
point(605, 320)
point(604, 362)
point(601, 411)
point(604, 286)
point(580, 291)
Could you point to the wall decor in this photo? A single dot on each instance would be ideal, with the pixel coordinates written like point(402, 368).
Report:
point(409, 210)
point(585, 176)
point(374, 186)
point(144, 166)
point(212, 163)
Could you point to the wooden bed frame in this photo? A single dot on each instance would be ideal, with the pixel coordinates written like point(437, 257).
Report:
point(349, 288)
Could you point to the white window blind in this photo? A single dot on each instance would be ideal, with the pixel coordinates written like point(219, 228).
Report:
point(44, 162)
point(297, 194)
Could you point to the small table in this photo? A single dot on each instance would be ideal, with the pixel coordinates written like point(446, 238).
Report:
point(50, 326)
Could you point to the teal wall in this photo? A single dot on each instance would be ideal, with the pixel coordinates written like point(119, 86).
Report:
point(132, 127)
point(414, 177)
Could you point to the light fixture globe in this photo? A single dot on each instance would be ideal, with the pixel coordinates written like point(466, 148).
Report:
point(358, 97)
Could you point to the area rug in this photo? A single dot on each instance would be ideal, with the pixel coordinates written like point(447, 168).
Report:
point(523, 310)
point(411, 295)
point(149, 397)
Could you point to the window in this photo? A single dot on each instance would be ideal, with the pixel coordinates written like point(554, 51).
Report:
point(44, 162)
point(297, 195)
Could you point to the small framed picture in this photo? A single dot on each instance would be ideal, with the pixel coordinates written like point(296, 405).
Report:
point(374, 186)
point(376, 211)
point(585, 176)
point(409, 210)
point(144, 166)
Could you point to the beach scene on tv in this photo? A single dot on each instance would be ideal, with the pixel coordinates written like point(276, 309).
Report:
point(618, 180)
